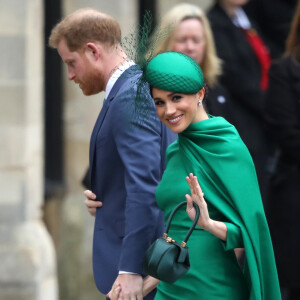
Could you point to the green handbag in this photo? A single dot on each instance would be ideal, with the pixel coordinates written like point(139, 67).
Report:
point(166, 259)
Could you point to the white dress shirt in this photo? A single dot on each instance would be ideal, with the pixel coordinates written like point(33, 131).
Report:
point(115, 76)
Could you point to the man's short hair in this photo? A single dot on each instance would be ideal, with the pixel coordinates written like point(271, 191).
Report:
point(83, 26)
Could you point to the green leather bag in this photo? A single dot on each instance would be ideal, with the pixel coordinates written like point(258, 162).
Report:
point(166, 259)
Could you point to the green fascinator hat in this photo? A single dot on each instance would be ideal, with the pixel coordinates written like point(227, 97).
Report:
point(174, 72)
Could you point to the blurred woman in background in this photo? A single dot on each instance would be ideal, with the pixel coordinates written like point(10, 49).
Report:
point(245, 75)
point(282, 112)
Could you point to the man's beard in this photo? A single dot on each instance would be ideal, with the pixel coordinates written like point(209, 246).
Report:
point(93, 82)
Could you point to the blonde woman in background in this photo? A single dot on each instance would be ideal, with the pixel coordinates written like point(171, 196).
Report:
point(189, 32)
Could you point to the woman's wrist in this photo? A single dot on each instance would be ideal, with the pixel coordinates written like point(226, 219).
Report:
point(208, 226)
point(217, 228)
point(150, 284)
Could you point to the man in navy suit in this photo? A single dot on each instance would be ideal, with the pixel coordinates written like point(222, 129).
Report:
point(127, 157)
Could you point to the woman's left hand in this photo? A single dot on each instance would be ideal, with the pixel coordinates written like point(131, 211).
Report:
point(149, 284)
point(198, 197)
point(114, 293)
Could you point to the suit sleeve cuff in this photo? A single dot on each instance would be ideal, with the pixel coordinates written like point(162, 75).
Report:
point(124, 272)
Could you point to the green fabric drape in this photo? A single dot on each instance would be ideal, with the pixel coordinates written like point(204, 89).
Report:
point(213, 150)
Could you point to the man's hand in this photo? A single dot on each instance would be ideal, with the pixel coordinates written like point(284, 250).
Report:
point(131, 286)
point(91, 202)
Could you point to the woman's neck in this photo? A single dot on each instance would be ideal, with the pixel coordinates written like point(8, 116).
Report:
point(201, 115)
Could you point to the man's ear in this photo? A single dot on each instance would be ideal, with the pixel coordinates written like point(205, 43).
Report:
point(93, 51)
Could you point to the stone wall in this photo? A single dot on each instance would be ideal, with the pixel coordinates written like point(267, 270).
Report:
point(27, 268)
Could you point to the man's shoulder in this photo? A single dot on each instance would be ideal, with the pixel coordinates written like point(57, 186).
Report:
point(132, 84)
point(132, 74)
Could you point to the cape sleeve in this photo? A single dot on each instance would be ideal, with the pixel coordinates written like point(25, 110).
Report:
point(234, 237)
point(213, 150)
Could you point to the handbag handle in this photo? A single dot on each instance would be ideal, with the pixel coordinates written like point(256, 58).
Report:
point(191, 228)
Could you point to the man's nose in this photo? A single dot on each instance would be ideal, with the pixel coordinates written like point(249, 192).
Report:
point(71, 74)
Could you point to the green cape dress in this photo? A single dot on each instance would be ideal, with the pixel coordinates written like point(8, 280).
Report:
point(213, 151)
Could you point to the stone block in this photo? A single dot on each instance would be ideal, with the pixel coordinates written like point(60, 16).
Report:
point(12, 16)
point(12, 105)
point(17, 291)
point(12, 188)
point(19, 264)
point(48, 289)
point(28, 263)
point(124, 11)
point(12, 146)
point(12, 59)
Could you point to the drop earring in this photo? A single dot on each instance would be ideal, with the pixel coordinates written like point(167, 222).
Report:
point(199, 102)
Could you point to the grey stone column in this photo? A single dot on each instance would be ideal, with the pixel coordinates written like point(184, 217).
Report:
point(27, 268)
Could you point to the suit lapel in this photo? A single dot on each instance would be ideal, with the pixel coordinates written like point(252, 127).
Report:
point(103, 113)
point(96, 129)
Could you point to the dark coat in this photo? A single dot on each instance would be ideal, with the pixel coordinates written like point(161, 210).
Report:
point(274, 19)
point(282, 112)
point(217, 102)
point(241, 77)
point(126, 164)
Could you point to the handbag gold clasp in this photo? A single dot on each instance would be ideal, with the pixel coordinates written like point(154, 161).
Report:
point(170, 240)
point(183, 244)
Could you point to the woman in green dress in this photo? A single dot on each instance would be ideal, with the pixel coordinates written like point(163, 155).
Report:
point(210, 151)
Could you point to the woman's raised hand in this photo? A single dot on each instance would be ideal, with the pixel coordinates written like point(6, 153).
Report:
point(197, 196)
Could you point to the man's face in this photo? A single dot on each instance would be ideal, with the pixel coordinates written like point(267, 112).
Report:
point(82, 69)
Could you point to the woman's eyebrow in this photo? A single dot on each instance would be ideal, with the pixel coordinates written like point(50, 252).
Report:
point(172, 94)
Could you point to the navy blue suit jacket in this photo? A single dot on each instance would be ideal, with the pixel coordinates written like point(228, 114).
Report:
point(127, 162)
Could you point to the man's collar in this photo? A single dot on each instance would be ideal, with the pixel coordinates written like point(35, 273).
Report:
point(115, 76)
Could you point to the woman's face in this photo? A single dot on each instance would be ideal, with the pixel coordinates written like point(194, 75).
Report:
point(189, 39)
point(177, 111)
